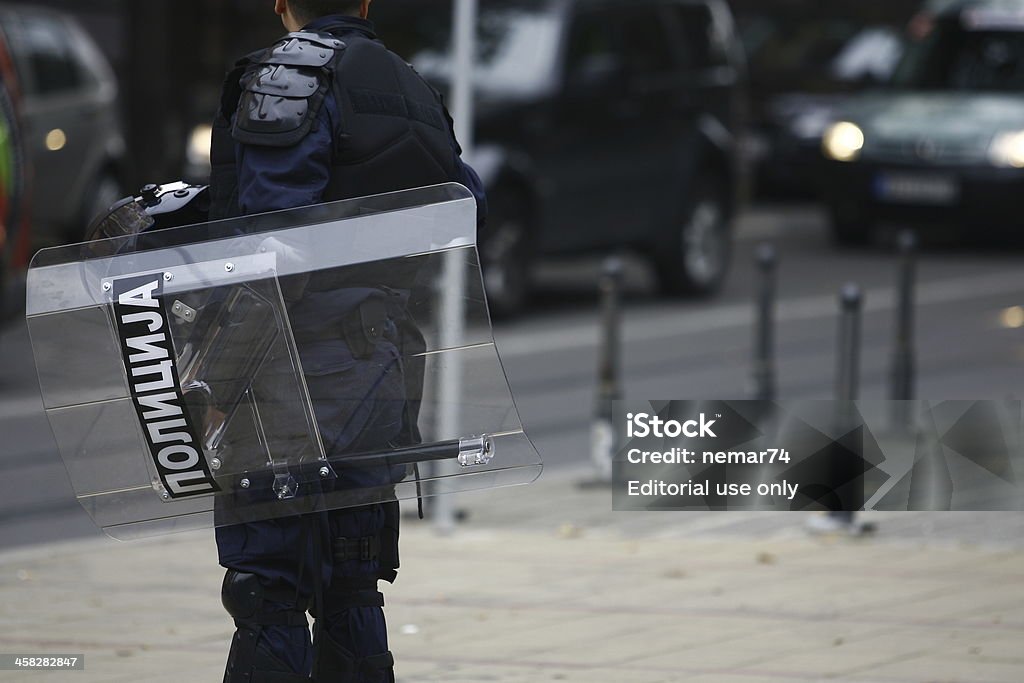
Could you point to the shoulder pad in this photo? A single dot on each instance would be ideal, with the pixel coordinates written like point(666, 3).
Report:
point(304, 49)
point(283, 90)
point(283, 81)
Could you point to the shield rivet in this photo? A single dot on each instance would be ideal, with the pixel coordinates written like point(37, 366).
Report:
point(106, 286)
point(244, 483)
point(229, 267)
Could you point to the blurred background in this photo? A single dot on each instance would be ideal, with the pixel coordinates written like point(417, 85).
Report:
point(681, 137)
point(677, 136)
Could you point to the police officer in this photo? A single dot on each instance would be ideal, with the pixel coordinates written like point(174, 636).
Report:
point(326, 113)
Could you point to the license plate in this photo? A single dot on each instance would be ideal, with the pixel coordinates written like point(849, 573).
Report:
point(916, 188)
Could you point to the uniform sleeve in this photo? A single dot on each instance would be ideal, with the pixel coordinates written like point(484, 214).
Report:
point(471, 180)
point(274, 178)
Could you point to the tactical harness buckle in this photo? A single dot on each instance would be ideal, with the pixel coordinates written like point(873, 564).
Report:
point(363, 549)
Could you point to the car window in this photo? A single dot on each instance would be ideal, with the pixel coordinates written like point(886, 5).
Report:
point(819, 54)
point(592, 39)
point(700, 47)
point(43, 47)
point(645, 41)
point(872, 54)
point(517, 41)
point(606, 40)
point(958, 57)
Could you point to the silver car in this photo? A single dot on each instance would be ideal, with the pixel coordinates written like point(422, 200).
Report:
point(72, 130)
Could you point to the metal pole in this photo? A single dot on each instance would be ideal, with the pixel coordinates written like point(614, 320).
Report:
point(462, 79)
point(764, 342)
point(903, 363)
point(609, 385)
point(453, 315)
point(453, 299)
point(848, 374)
point(847, 377)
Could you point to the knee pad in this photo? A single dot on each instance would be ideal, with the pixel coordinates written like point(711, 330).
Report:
point(241, 594)
point(245, 598)
point(251, 659)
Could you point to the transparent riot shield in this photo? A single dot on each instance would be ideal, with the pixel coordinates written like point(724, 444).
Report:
point(273, 365)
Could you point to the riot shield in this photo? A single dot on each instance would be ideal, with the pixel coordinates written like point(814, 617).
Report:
point(274, 365)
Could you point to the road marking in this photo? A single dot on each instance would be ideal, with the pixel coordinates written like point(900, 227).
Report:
point(663, 324)
point(767, 224)
point(20, 406)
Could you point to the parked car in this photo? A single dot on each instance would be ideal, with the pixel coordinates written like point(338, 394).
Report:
point(71, 128)
point(945, 144)
point(13, 176)
point(803, 67)
point(601, 124)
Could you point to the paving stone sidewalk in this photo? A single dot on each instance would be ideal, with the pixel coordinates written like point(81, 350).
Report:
point(545, 583)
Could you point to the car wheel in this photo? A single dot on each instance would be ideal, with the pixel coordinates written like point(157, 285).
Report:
point(694, 257)
point(850, 227)
point(106, 190)
point(506, 255)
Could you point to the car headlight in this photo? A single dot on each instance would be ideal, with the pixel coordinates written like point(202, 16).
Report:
point(1007, 149)
point(198, 152)
point(843, 141)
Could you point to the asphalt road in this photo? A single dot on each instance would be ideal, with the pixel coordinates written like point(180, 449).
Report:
point(672, 349)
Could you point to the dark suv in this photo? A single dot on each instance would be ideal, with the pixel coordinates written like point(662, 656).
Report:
point(601, 124)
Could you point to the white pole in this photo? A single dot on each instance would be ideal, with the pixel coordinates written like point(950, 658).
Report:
point(464, 36)
point(453, 299)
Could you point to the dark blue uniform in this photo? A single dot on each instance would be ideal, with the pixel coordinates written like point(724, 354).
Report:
point(273, 178)
point(325, 162)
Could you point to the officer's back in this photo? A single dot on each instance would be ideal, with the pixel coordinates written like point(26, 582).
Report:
point(335, 106)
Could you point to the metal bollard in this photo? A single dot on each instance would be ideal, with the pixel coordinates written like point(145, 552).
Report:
point(848, 373)
point(764, 335)
point(903, 371)
point(609, 384)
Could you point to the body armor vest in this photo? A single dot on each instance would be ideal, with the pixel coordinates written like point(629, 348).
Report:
point(393, 132)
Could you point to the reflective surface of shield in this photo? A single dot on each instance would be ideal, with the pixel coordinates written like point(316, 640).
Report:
point(303, 360)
